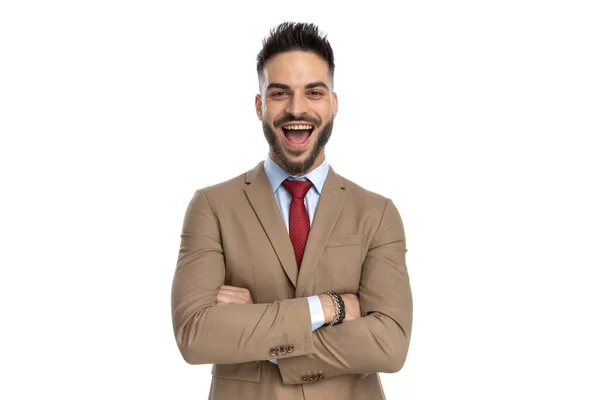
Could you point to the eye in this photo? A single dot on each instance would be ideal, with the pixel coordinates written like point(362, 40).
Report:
point(315, 93)
point(278, 94)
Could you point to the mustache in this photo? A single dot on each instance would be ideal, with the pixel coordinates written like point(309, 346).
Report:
point(289, 118)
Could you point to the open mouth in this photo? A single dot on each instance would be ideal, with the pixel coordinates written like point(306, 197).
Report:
point(297, 133)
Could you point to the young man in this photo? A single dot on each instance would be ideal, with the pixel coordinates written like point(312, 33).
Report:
point(291, 279)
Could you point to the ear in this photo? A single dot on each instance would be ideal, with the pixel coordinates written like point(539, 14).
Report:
point(335, 104)
point(258, 106)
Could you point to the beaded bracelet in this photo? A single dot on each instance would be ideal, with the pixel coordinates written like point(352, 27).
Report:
point(339, 306)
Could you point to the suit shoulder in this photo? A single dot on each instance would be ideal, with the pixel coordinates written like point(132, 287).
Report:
point(368, 202)
point(363, 195)
point(222, 190)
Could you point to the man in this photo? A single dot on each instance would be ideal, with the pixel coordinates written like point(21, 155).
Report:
point(259, 254)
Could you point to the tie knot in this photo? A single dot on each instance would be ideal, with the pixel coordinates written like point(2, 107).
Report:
point(297, 189)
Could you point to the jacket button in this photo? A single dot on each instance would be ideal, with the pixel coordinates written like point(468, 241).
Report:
point(305, 378)
point(283, 349)
point(273, 352)
point(290, 348)
point(321, 376)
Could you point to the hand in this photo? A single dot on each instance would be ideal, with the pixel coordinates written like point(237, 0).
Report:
point(352, 306)
point(233, 295)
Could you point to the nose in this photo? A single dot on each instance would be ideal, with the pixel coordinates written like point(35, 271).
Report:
point(297, 105)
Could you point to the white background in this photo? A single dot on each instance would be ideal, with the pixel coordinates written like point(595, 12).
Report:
point(479, 119)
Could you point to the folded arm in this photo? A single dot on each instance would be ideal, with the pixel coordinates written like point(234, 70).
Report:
point(377, 342)
point(207, 332)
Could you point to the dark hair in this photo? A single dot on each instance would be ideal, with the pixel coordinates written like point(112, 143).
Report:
point(289, 36)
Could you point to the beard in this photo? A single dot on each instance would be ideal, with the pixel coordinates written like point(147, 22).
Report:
point(297, 168)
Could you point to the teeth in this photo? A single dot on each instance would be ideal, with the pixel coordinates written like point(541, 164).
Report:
point(298, 127)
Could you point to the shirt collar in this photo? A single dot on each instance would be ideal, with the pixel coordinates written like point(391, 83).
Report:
point(277, 175)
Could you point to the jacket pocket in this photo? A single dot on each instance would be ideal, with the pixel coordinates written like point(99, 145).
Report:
point(247, 372)
point(349, 240)
point(341, 263)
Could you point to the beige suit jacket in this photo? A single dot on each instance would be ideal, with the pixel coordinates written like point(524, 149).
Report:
point(233, 234)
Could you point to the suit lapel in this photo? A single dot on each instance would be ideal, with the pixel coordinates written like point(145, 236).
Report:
point(265, 206)
point(261, 197)
point(328, 210)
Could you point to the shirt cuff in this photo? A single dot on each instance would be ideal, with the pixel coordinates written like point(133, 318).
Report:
point(273, 361)
point(317, 316)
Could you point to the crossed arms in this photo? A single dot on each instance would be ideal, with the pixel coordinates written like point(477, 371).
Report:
point(207, 332)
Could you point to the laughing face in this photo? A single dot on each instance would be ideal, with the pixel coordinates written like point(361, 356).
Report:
point(297, 107)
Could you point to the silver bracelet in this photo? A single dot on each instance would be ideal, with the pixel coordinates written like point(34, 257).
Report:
point(336, 307)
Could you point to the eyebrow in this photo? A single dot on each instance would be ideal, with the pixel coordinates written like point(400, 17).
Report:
point(311, 85)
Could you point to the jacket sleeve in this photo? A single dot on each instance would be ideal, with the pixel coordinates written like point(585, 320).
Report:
point(208, 333)
point(379, 340)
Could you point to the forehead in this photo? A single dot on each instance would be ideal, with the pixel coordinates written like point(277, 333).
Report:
point(296, 68)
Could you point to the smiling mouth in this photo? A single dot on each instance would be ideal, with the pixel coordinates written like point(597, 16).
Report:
point(297, 133)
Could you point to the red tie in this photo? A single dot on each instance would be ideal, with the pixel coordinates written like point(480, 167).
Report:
point(299, 222)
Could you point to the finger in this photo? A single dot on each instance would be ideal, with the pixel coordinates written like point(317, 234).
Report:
point(226, 298)
point(234, 297)
point(245, 296)
point(239, 292)
point(234, 288)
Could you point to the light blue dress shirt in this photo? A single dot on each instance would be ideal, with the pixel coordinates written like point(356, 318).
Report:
point(276, 175)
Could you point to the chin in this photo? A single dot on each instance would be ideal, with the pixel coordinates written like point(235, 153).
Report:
point(297, 161)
